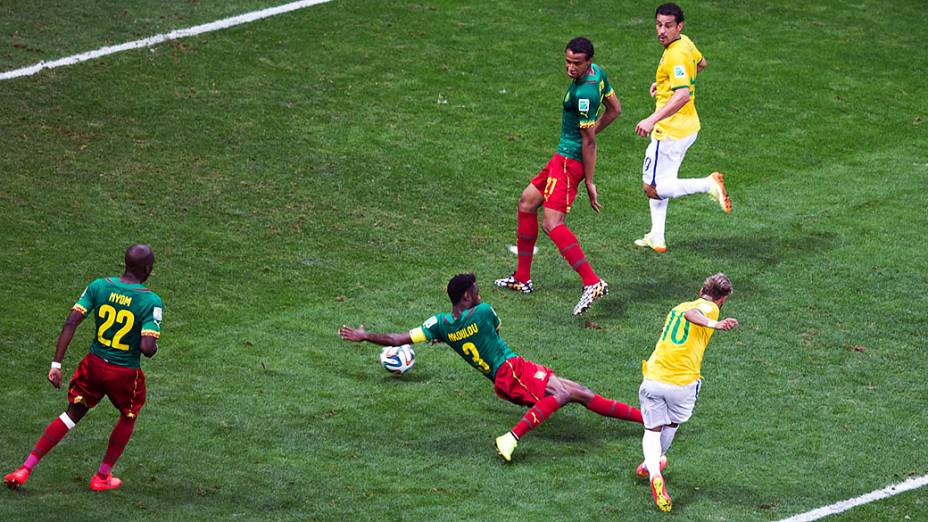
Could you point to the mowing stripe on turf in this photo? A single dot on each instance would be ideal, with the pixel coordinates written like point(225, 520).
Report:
point(844, 505)
point(159, 38)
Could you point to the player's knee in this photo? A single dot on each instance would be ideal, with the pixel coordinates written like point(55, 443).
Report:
point(549, 223)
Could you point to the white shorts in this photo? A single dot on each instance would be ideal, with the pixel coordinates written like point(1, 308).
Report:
point(663, 158)
point(663, 403)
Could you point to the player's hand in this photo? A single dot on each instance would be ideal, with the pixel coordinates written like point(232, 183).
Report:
point(727, 324)
point(352, 334)
point(644, 127)
point(54, 377)
point(653, 90)
point(594, 197)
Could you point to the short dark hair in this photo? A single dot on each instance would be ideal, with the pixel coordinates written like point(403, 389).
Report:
point(716, 286)
point(459, 285)
point(581, 45)
point(670, 9)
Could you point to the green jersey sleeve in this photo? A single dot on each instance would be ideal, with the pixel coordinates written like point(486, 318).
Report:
point(151, 322)
point(88, 300)
point(428, 331)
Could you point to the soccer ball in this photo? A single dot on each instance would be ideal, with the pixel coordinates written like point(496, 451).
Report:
point(398, 359)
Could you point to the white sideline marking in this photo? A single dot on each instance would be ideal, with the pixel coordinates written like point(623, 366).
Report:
point(844, 505)
point(159, 38)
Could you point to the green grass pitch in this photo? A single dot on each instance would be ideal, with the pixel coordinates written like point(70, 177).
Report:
point(338, 164)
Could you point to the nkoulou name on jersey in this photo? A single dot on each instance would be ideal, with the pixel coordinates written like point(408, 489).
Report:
point(123, 314)
point(581, 108)
point(474, 336)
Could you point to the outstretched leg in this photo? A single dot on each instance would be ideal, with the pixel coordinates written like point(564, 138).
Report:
point(54, 432)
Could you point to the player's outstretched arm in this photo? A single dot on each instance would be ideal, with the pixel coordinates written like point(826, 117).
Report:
point(359, 334)
point(696, 317)
point(61, 346)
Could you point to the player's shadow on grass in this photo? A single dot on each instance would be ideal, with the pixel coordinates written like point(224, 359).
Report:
point(764, 249)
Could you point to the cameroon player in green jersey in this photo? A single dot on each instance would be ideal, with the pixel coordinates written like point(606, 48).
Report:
point(128, 324)
point(471, 329)
point(555, 186)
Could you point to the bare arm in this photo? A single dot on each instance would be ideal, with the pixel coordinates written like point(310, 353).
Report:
point(588, 135)
point(613, 109)
point(149, 346)
point(696, 317)
point(358, 335)
point(61, 346)
point(701, 65)
point(674, 104)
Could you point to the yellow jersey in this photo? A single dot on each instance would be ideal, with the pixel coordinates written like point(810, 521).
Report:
point(676, 71)
point(677, 358)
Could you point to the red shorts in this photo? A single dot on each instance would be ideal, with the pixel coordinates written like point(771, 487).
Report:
point(95, 378)
point(521, 381)
point(558, 181)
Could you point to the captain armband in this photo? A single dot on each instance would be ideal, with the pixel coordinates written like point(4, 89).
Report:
point(417, 335)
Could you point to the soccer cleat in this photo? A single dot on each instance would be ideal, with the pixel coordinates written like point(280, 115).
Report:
point(514, 284)
point(505, 445)
point(718, 192)
point(590, 293)
point(103, 484)
point(17, 478)
point(642, 470)
point(661, 498)
point(646, 241)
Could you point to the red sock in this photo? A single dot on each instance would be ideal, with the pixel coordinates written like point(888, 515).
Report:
point(54, 432)
point(609, 408)
point(536, 415)
point(566, 242)
point(526, 234)
point(118, 440)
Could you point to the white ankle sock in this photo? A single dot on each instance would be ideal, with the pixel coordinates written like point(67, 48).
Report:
point(658, 219)
point(685, 187)
point(651, 447)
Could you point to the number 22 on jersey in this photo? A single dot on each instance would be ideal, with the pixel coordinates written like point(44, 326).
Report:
point(125, 318)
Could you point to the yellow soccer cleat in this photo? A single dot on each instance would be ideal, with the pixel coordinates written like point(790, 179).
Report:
point(505, 445)
point(659, 491)
point(718, 192)
point(646, 241)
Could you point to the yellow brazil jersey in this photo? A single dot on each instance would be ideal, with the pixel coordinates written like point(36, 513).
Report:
point(677, 357)
point(677, 70)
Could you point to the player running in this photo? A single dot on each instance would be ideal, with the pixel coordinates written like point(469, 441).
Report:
point(671, 382)
point(472, 330)
point(556, 185)
point(128, 324)
point(673, 127)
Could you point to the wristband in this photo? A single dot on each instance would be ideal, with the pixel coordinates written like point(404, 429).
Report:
point(56, 365)
point(711, 323)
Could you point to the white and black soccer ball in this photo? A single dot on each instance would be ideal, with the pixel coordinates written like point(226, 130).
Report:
point(398, 359)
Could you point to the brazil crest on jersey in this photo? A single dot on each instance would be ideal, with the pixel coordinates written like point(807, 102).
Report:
point(474, 336)
point(123, 313)
point(581, 108)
